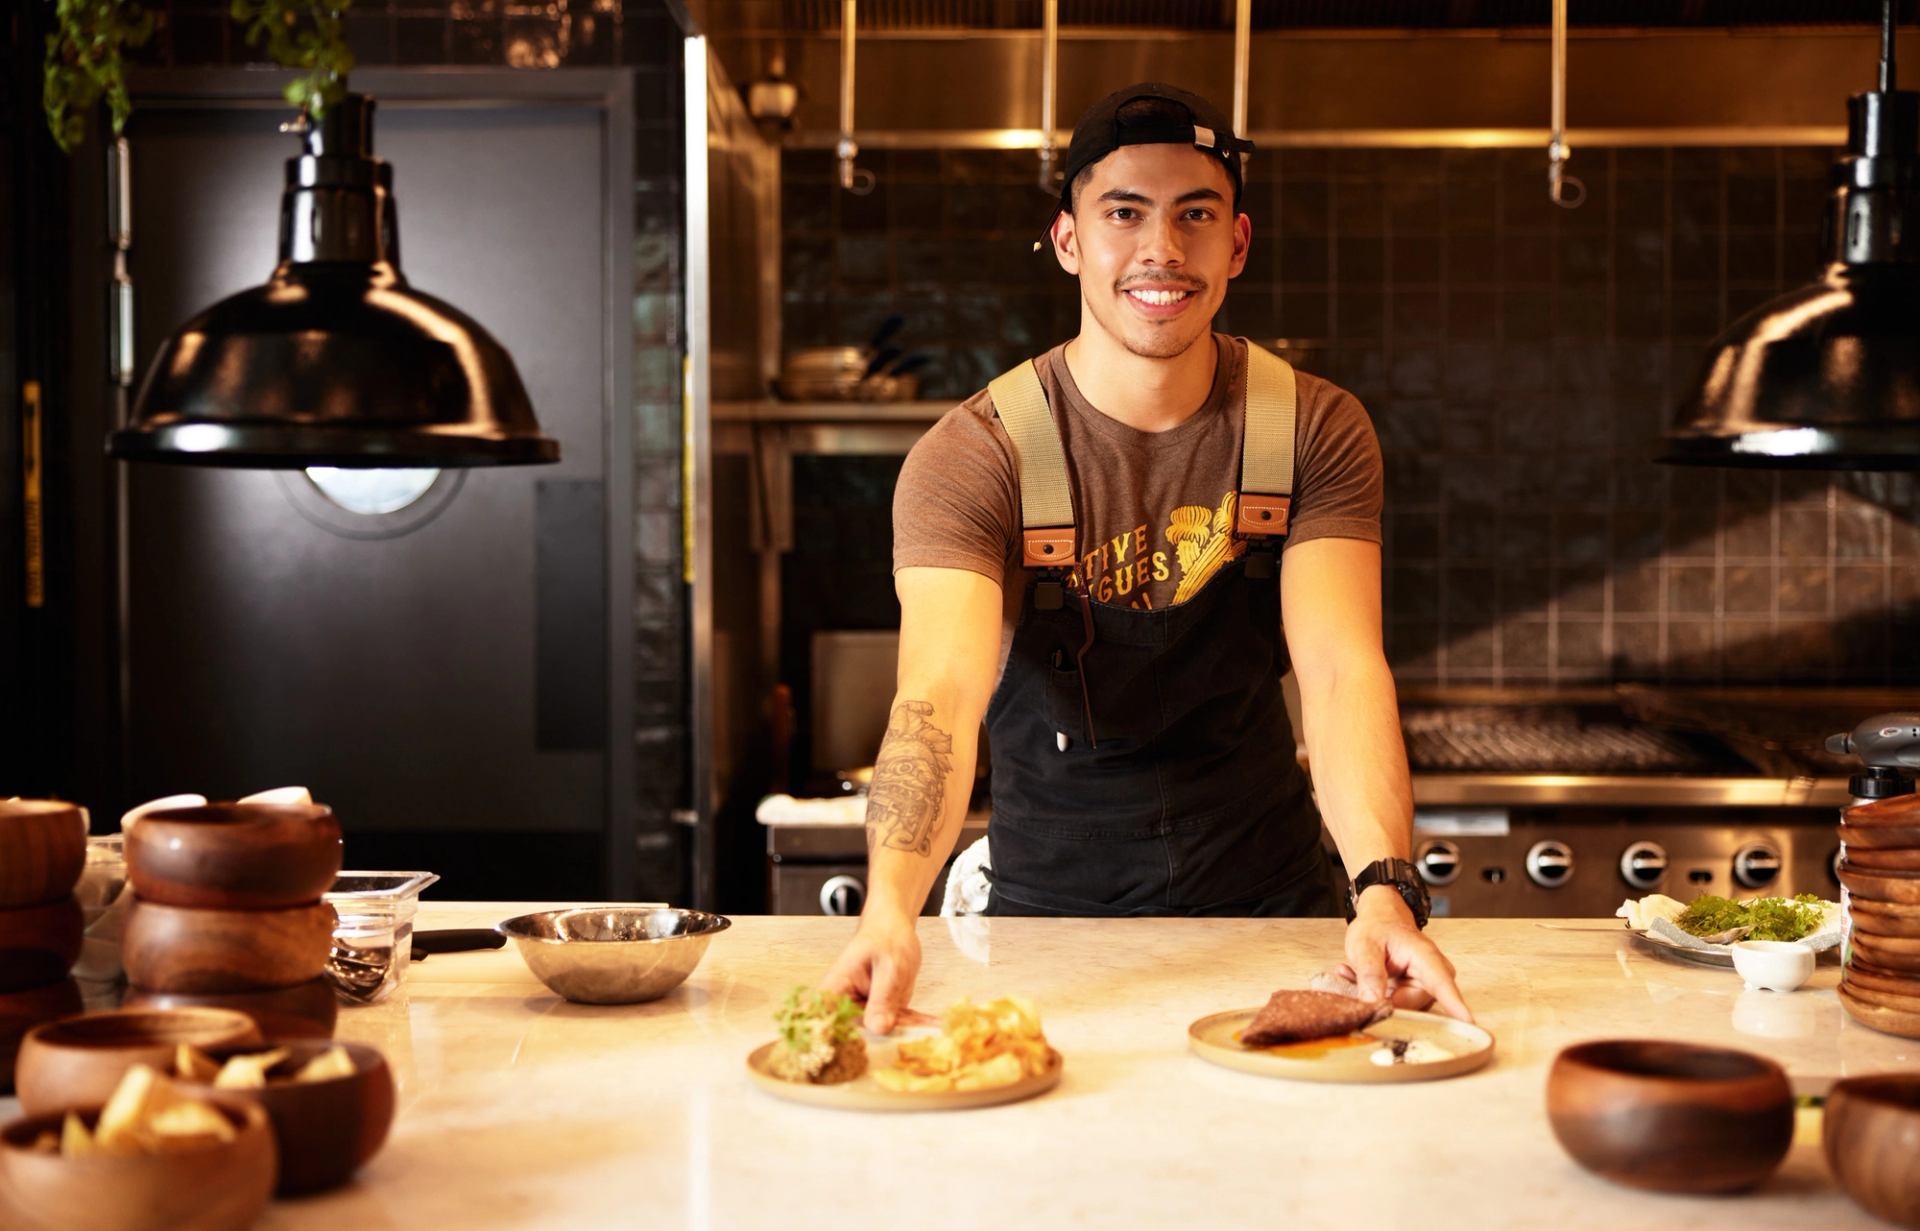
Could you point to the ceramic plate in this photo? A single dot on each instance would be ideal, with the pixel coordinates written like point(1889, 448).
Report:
point(1721, 955)
point(1436, 1046)
point(863, 1093)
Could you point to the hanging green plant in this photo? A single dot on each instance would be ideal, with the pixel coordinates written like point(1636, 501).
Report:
point(84, 55)
point(303, 34)
point(83, 63)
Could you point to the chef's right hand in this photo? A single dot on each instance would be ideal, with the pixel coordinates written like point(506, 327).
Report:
point(879, 965)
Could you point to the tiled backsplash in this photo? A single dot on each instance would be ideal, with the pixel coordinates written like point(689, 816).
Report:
point(1519, 361)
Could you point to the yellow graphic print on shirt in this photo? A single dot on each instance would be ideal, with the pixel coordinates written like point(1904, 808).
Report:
point(1202, 537)
point(1123, 569)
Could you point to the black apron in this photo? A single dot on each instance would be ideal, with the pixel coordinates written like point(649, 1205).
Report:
point(1191, 802)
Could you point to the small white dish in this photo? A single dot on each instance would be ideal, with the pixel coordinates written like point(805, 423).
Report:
point(1773, 965)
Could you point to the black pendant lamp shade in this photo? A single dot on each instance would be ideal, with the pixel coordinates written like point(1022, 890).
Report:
point(336, 361)
point(1827, 377)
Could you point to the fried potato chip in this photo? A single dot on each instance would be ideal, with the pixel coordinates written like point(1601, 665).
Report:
point(329, 1064)
point(142, 1093)
point(74, 1140)
point(979, 1047)
point(248, 1072)
point(192, 1064)
point(190, 1125)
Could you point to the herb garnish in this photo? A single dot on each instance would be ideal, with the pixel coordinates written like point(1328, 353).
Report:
point(1765, 918)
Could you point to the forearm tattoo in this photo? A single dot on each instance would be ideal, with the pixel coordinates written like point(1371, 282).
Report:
point(909, 781)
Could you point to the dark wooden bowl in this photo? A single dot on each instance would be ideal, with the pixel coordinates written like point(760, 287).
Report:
point(22, 1011)
point(1885, 918)
point(1902, 888)
point(234, 856)
point(1876, 953)
point(39, 944)
point(1888, 859)
point(77, 1061)
point(304, 1011)
point(189, 949)
point(1872, 1140)
point(43, 847)
point(1881, 1017)
point(1672, 1117)
point(325, 1129)
point(217, 1188)
point(1899, 810)
point(1879, 837)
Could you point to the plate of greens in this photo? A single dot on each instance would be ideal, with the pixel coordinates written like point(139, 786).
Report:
point(1705, 929)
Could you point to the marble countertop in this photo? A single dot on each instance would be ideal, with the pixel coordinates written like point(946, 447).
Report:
point(520, 1110)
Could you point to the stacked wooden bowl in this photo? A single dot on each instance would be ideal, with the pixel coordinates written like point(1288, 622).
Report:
point(227, 912)
point(43, 848)
point(1881, 875)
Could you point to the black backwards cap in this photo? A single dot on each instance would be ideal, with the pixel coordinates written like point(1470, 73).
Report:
point(1104, 128)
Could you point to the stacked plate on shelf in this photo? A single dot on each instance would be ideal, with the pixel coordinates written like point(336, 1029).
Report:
point(1881, 875)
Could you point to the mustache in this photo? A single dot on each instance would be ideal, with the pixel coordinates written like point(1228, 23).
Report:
point(1161, 282)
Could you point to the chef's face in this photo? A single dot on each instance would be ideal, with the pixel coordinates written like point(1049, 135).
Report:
point(1153, 239)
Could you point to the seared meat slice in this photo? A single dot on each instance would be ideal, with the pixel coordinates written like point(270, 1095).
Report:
point(1290, 1017)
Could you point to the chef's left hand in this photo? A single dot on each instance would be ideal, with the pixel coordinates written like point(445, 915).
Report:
point(1390, 956)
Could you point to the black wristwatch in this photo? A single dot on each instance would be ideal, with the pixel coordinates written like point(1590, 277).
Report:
point(1403, 876)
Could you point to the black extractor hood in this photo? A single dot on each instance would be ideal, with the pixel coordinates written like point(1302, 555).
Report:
point(335, 361)
point(1827, 377)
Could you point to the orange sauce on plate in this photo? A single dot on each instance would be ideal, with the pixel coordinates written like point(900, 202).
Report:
point(1314, 1049)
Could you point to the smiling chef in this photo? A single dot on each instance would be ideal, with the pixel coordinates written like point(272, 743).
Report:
point(1114, 553)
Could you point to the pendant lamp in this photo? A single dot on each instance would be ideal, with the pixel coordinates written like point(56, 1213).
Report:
point(1827, 377)
point(335, 361)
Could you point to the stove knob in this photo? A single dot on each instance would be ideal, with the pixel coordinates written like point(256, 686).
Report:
point(1550, 864)
point(1643, 864)
point(1438, 861)
point(842, 895)
point(1756, 865)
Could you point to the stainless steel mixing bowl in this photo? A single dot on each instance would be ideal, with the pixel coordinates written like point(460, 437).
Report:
point(613, 954)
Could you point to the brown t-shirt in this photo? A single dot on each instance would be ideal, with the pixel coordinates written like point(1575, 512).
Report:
point(1152, 508)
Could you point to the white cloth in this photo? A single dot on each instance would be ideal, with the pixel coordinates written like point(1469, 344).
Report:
point(831, 810)
point(968, 886)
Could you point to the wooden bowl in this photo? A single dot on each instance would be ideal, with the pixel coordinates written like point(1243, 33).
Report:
point(1864, 975)
point(1879, 837)
point(1884, 1018)
point(1884, 918)
point(217, 1188)
point(1899, 887)
point(1899, 810)
point(77, 1061)
point(234, 856)
point(1672, 1117)
point(1875, 990)
point(325, 1129)
point(195, 950)
point(1872, 1140)
point(39, 944)
point(22, 1011)
point(43, 846)
point(1876, 954)
point(304, 1011)
point(1890, 859)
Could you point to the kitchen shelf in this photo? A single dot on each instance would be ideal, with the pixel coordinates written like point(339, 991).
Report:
point(770, 410)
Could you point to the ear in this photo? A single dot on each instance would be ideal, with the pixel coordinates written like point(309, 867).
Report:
point(1242, 242)
point(1064, 242)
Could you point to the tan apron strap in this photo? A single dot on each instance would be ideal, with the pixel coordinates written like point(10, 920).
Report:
point(1266, 456)
point(1046, 499)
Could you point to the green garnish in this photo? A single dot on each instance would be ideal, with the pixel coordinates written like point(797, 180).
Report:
point(1769, 918)
point(808, 1008)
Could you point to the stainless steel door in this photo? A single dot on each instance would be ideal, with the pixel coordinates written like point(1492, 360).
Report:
point(452, 666)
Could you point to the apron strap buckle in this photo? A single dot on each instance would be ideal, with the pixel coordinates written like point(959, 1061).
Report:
point(1260, 517)
point(1049, 547)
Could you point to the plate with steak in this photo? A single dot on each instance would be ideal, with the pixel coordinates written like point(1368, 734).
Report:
point(1327, 1036)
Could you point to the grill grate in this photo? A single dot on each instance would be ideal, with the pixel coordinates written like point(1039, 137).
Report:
point(1541, 739)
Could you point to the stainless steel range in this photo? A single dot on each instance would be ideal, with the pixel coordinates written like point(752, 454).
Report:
point(1563, 803)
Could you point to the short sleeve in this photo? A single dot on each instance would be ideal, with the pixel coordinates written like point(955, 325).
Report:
point(957, 502)
point(1338, 482)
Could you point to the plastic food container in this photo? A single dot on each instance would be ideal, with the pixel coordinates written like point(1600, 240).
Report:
point(373, 940)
